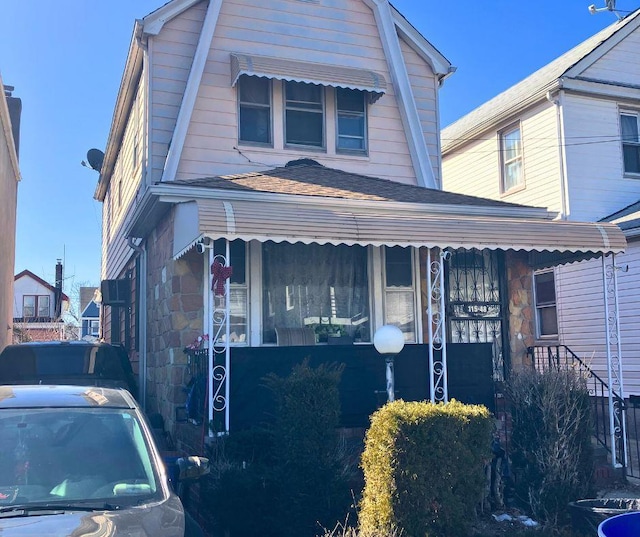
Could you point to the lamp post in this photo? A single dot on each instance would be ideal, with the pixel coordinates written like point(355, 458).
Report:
point(389, 341)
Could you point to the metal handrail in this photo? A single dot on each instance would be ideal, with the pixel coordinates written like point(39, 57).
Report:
point(561, 356)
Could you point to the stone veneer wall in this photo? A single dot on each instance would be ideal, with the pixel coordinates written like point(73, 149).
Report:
point(521, 314)
point(175, 313)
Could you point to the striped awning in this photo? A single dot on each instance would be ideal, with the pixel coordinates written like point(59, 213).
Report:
point(312, 73)
point(292, 222)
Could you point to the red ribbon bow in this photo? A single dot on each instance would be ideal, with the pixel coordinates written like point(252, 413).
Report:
point(220, 275)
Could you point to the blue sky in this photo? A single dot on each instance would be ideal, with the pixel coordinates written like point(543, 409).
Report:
point(66, 57)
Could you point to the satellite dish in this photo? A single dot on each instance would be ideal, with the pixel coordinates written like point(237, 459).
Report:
point(95, 158)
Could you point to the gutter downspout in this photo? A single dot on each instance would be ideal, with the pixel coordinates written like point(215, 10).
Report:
point(562, 154)
point(142, 320)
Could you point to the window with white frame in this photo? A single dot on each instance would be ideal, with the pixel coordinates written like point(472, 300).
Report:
point(94, 328)
point(511, 155)
point(545, 300)
point(399, 291)
point(304, 114)
point(320, 287)
point(254, 97)
point(238, 319)
point(44, 306)
point(351, 120)
point(630, 130)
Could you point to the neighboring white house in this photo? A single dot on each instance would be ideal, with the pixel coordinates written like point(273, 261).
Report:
point(38, 308)
point(567, 138)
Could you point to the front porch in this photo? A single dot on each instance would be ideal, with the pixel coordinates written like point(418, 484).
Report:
point(362, 389)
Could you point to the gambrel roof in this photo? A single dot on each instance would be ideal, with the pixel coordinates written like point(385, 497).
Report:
point(554, 76)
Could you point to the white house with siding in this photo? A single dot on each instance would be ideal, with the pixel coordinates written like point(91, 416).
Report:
point(567, 138)
point(278, 167)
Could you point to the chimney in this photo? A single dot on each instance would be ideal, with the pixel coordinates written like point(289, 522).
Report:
point(15, 111)
point(58, 291)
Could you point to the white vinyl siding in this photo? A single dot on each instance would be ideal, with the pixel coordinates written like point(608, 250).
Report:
point(595, 172)
point(125, 183)
point(614, 66)
point(475, 167)
point(579, 288)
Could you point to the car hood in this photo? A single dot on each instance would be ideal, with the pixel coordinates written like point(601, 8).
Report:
point(165, 519)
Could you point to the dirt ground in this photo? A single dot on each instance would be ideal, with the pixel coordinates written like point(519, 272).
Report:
point(488, 526)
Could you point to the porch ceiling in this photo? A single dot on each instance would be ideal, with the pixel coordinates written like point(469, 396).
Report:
point(291, 222)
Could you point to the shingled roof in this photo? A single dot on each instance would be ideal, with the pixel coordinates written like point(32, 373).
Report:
point(306, 177)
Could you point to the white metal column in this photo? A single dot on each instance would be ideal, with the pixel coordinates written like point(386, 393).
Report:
point(218, 318)
point(617, 415)
point(437, 327)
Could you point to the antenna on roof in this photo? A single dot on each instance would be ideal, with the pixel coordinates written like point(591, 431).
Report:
point(610, 6)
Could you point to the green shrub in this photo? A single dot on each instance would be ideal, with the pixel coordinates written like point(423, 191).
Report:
point(314, 485)
point(551, 446)
point(423, 466)
point(288, 479)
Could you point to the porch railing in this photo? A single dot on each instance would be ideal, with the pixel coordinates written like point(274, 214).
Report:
point(561, 357)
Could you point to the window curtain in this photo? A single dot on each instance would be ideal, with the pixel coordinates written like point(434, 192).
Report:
point(323, 287)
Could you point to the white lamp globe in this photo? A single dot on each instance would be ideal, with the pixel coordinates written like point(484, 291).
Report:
point(388, 339)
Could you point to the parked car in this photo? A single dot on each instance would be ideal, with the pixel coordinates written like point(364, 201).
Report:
point(81, 460)
point(67, 362)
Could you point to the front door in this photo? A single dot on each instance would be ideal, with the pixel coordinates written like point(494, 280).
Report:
point(475, 302)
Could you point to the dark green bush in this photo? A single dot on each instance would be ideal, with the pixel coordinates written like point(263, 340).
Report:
point(424, 468)
point(551, 446)
point(314, 489)
point(288, 479)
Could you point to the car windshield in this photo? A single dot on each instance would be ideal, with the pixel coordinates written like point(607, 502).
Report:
point(72, 455)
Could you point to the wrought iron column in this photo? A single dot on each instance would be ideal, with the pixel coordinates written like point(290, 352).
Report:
point(614, 362)
point(437, 327)
point(218, 318)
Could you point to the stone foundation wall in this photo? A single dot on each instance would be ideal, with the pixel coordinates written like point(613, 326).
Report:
point(175, 312)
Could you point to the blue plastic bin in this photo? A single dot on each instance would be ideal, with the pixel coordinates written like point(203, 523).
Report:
point(625, 525)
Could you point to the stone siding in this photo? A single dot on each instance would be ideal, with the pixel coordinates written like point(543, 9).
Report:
point(521, 317)
point(175, 319)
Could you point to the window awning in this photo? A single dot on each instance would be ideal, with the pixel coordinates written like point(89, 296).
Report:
point(312, 73)
point(292, 222)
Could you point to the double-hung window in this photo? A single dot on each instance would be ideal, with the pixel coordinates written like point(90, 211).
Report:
point(44, 309)
point(255, 110)
point(304, 114)
point(399, 297)
point(351, 120)
point(511, 154)
point(629, 125)
point(545, 300)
